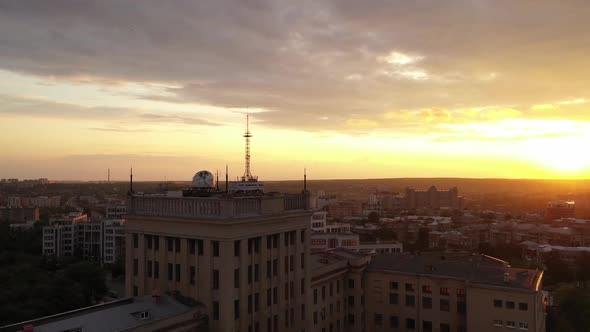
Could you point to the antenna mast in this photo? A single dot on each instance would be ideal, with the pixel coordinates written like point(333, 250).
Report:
point(247, 174)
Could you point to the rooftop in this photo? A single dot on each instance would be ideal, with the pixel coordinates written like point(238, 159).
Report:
point(111, 316)
point(218, 206)
point(473, 269)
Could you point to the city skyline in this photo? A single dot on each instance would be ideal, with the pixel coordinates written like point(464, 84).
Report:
point(347, 90)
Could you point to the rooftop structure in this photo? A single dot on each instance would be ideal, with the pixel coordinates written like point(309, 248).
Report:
point(129, 314)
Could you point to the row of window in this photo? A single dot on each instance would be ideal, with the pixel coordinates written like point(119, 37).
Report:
point(410, 301)
point(410, 324)
point(409, 287)
point(511, 324)
point(511, 305)
point(196, 246)
point(331, 291)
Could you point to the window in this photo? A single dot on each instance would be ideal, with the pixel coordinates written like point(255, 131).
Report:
point(215, 279)
point(378, 319)
point(268, 242)
point(148, 241)
point(286, 291)
point(237, 248)
point(498, 303)
point(393, 322)
point(192, 275)
point(268, 269)
point(331, 289)
point(426, 326)
point(350, 283)
point(351, 319)
point(393, 285)
point(156, 270)
point(427, 302)
point(302, 311)
point(192, 246)
point(337, 286)
point(461, 307)
point(315, 296)
point(523, 306)
point(444, 327)
point(510, 324)
point(461, 293)
point(170, 242)
point(215, 248)
point(445, 291)
point(523, 326)
point(135, 241)
point(144, 315)
point(236, 278)
point(498, 322)
point(135, 266)
point(177, 244)
point(410, 287)
point(215, 310)
point(292, 262)
point(249, 274)
point(177, 272)
point(170, 268)
point(427, 289)
point(393, 298)
point(286, 238)
point(302, 235)
point(156, 242)
point(351, 301)
point(275, 267)
point(410, 300)
point(250, 303)
point(286, 264)
point(410, 324)
point(445, 305)
point(200, 247)
point(275, 295)
point(323, 293)
point(236, 309)
point(275, 241)
point(256, 302)
point(302, 286)
point(149, 269)
point(315, 317)
point(135, 291)
point(509, 304)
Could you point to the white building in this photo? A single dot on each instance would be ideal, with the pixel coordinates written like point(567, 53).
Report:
point(323, 241)
point(381, 247)
point(116, 211)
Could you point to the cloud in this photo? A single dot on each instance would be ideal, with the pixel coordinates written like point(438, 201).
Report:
point(159, 118)
point(300, 61)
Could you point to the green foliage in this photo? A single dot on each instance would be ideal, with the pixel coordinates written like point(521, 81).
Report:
point(373, 217)
point(35, 286)
point(572, 312)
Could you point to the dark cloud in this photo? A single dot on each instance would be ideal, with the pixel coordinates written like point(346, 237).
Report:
point(312, 65)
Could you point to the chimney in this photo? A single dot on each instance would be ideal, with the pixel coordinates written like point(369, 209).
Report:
point(506, 277)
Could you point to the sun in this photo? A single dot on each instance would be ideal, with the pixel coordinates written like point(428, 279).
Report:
point(565, 156)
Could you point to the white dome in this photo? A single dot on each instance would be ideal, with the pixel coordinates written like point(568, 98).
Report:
point(203, 179)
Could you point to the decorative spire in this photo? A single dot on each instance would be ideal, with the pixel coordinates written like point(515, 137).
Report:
point(226, 179)
point(131, 182)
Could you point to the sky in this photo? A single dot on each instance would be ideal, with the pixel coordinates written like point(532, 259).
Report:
point(344, 88)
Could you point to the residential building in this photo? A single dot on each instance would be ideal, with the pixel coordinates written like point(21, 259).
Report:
point(455, 293)
point(18, 215)
point(560, 209)
point(433, 199)
point(345, 208)
point(116, 211)
point(323, 241)
point(381, 247)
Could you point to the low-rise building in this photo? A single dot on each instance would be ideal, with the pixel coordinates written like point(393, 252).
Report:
point(147, 313)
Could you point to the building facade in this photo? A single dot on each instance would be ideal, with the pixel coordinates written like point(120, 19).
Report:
point(245, 257)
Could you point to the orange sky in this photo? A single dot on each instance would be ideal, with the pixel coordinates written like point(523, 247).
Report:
point(401, 89)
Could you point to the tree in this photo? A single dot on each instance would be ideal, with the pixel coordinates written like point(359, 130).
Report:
point(583, 268)
point(90, 277)
point(422, 240)
point(557, 269)
point(373, 217)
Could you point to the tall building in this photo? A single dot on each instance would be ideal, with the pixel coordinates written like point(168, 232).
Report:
point(242, 255)
point(560, 209)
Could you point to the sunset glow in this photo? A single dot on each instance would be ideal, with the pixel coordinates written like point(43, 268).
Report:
point(452, 91)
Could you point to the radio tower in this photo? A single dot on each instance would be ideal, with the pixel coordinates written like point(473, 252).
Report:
point(247, 175)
